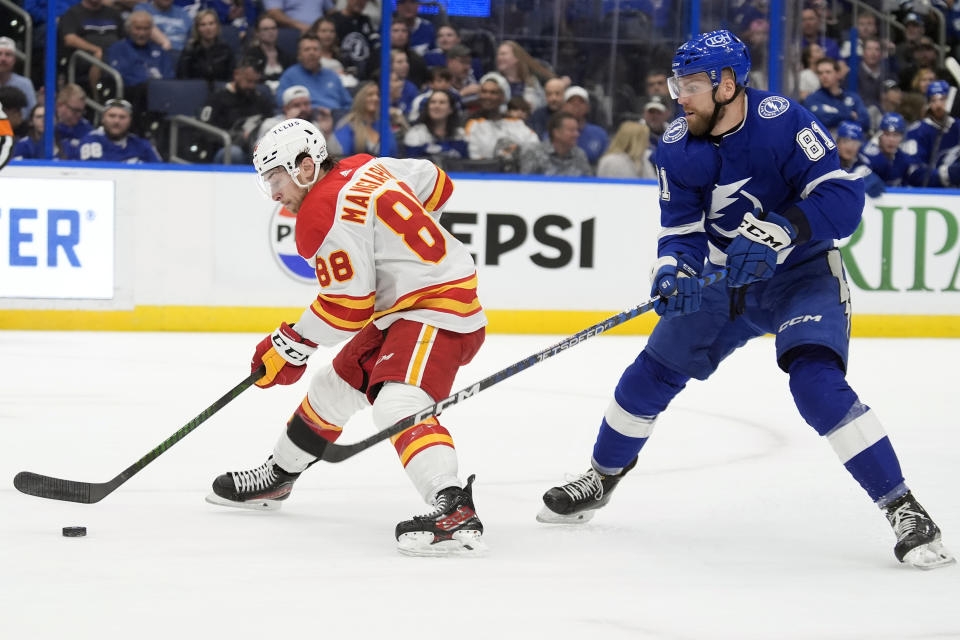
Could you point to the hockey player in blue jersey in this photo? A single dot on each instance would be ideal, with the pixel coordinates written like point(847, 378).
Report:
point(887, 160)
point(750, 182)
point(112, 141)
point(849, 140)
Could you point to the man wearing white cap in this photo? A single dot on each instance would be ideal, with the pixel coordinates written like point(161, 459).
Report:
point(491, 134)
point(10, 79)
point(296, 105)
point(593, 139)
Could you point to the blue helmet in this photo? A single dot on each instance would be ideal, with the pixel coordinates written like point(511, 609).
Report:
point(893, 122)
point(711, 53)
point(851, 130)
point(937, 88)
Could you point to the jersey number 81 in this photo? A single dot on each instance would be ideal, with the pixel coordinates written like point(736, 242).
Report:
point(814, 141)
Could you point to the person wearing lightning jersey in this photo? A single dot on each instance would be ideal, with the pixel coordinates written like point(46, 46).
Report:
point(750, 182)
point(402, 292)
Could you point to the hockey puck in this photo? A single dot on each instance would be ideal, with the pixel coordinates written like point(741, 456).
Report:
point(74, 532)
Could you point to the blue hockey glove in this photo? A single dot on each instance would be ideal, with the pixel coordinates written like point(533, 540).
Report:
point(675, 284)
point(752, 255)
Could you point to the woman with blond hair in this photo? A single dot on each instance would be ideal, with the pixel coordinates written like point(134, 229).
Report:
point(628, 155)
point(523, 73)
point(359, 131)
point(206, 55)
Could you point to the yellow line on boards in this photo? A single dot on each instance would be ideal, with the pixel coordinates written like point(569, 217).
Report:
point(260, 319)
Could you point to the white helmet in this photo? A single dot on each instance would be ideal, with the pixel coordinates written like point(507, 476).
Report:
point(281, 146)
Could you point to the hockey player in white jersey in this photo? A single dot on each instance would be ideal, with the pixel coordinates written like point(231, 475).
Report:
point(403, 291)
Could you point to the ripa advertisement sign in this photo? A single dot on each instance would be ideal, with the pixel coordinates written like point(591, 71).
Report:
point(56, 238)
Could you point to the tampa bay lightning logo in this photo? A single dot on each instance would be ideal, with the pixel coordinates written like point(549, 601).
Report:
point(676, 130)
point(283, 226)
point(772, 106)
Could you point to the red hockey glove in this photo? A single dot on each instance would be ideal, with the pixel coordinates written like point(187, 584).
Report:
point(284, 353)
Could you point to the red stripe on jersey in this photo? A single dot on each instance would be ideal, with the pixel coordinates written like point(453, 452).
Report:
point(441, 191)
point(457, 297)
point(319, 208)
point(346, 313)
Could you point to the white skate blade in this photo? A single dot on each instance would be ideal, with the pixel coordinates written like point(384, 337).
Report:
point(550, 517)
point(932, 555)
point(420, 543)
point(255, 505)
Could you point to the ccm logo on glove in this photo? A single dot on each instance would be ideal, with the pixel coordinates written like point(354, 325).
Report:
point(284, 354)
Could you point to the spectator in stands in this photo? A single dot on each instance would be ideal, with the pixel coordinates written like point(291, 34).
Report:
point(398, 119)
point(171, 20)
point(112, 141)
point(592, 139)
point(92, 27)
point(924, 57)
point(437, 131)
point(913, 32)
point(324, 85)
point(360, 128)
point(553, 94)
point(656, 115)
point(71, 125)
point(849, 140)
point(492, 135)
point(629, 154)
point(813, 31)
point(866, 29)
point(438, 79)
point(239, 108)
point(30, 147)
point(357, 37)
point(14, 103)
point(830, 103)
point(139, 60)
point(10, 79)
point(874, 71)
point(521, 71)
point(559, 155)
point(887, 160)
point(934, 137)
point(808, 81)
point(422, 33)
point(447, 37)
point(400, 65)
point(271, 59)
point(655, 84)
point(464, 82)
point(518, 108)
point(297, 14)
point(206, 55)
point(400, 41)
point(326, 33)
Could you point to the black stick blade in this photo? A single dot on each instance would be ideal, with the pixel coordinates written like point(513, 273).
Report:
point(53, 488)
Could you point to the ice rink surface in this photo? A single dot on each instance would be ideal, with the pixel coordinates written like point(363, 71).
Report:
point(739, 522)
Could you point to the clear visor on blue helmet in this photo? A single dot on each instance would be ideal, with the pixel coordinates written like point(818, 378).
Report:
point(685, 86)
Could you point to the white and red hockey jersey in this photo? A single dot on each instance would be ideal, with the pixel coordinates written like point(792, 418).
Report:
point(369, 228)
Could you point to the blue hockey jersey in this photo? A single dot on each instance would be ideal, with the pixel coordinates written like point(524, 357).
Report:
point(893, 171)
point(132, 149)
point(931, 142)
point(778, 158)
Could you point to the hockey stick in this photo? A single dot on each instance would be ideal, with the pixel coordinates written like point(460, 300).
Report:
point(340, 452)
point(41, 486)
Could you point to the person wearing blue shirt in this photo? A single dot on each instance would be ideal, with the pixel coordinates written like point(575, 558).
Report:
point(112, 141)
point(136, 57)
point(172, 20)
point(933, 139)
point(422, 32)
point(830, 103)
point(360, 128)
point(751, 189)
point(324, 85)
point(887, 159)
point(593, 138)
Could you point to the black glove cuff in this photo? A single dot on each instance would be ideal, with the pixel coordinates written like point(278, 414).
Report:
point(798, 219)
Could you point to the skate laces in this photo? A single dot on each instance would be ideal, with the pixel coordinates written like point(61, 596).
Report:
point(584, 486)
point(255, 479)
point(904, 520)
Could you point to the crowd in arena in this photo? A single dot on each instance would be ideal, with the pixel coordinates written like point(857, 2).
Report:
point(884, 93)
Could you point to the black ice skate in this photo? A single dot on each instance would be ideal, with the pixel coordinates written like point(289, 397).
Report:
point(577, 501)
point(261, 488)
point(451, 528)
point(918, 537)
